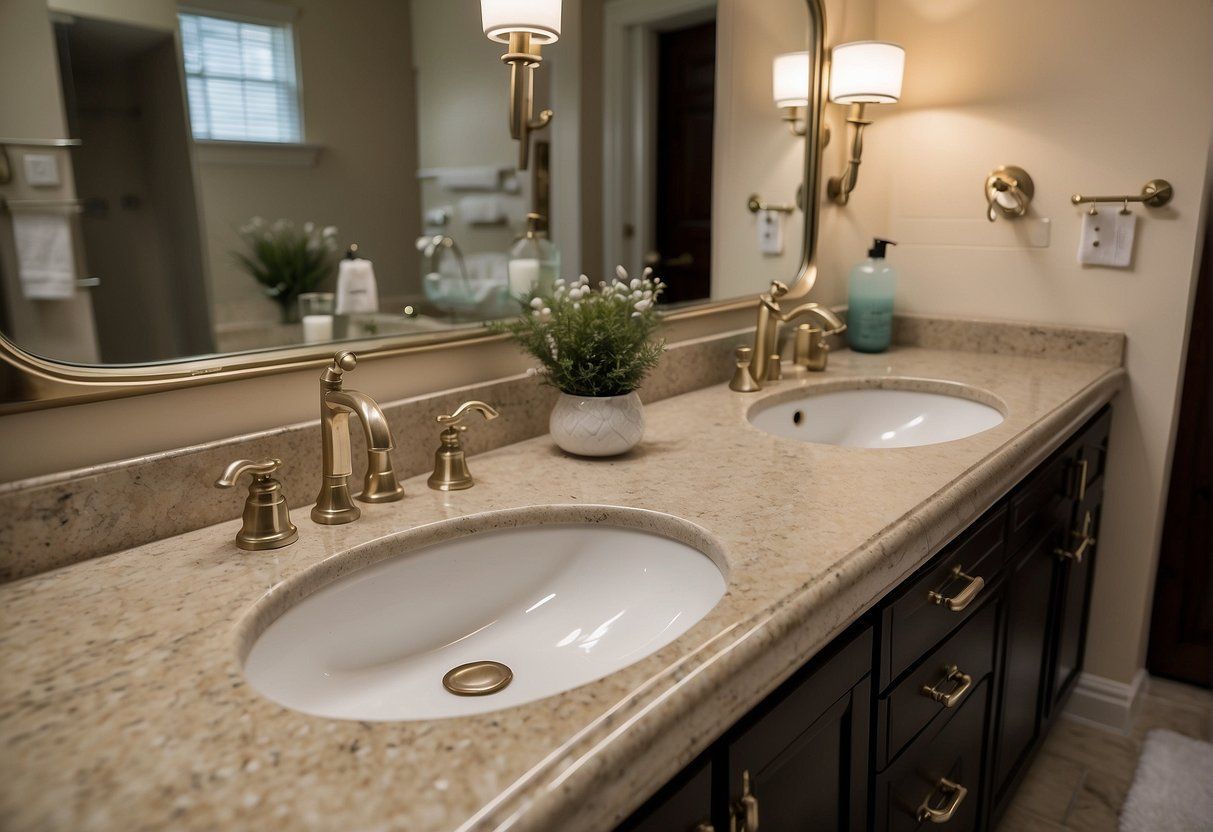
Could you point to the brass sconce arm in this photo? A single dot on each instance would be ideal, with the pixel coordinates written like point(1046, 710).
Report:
point(522, 56)
point(839, 187)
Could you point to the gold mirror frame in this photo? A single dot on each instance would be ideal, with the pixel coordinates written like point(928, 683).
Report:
point(29, 382)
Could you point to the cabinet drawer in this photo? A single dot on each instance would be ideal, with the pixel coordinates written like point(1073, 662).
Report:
point(960, 663)
point(943, 598)
point(930, 776)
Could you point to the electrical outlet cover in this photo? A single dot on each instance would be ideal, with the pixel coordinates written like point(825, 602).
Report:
point(41, 170)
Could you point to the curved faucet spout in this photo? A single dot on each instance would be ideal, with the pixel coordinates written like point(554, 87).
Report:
point(833, 322)
point(374, 423)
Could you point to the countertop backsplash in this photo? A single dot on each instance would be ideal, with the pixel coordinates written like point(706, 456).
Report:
point(57, 520)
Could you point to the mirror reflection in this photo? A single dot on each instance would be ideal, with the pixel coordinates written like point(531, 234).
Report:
point(223, 176)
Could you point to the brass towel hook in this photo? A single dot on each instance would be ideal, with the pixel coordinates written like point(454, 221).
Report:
point(1009, 190)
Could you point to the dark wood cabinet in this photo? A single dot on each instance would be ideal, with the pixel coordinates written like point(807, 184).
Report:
point(1027, 600)
point(683, 805)
point(804, 756)
point(925, 713)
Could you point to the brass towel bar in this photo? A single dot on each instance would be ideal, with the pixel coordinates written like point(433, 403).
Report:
point(1154, 194)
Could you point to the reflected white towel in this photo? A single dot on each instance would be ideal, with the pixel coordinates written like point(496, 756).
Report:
point(468, 179)
point(481, 210)
point(46, 261)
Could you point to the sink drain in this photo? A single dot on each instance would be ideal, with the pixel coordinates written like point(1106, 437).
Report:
point(477, 678)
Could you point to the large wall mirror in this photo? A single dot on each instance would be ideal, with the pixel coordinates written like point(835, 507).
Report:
point(192, 188)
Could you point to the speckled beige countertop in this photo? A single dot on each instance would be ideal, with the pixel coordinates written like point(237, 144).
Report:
point(123, 705)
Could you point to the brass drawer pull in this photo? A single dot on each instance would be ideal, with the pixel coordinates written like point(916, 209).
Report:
point(951, 699)
point(744, 815)
point(962, 599)
point(704, 827)
point(927, 812)
point(1085, 541)
point(1081, 485)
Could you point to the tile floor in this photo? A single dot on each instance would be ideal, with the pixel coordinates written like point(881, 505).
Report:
point(1082, 773)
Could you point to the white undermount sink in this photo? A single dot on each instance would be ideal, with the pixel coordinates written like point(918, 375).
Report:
point(879, 417)
point(558, 604)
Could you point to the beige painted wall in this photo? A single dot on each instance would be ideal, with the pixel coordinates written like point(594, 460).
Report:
point(754, 153)
point(1070, 102)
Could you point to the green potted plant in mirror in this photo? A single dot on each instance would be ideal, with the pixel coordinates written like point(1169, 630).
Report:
point(596, 347)
point(288, 260)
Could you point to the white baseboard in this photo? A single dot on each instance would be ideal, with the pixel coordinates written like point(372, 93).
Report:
point(1106, 702)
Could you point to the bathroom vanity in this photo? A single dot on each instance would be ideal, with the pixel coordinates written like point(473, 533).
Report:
point(928, 709)
point(127, 700)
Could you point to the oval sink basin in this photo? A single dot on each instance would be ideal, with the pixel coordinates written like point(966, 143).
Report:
point(876, 418)
point(508, 616)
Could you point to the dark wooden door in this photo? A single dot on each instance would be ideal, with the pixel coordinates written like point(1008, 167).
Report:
point(683, 805)
point(1181, 631)
point(1025, 658)
point(805, 756)
point(686, 104)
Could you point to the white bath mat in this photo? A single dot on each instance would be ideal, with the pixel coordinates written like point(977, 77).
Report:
point(1172, 790)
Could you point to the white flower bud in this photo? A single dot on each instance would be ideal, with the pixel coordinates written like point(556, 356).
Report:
point(536, 303)
point(621, 272)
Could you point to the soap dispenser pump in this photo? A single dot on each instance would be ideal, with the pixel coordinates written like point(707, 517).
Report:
point(870, 310)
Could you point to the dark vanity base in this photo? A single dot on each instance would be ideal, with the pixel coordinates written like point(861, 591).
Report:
point(926, 713)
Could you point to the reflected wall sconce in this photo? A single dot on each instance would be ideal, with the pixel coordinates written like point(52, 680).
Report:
point(525, 26)
point(790, 84)
point(862, 73)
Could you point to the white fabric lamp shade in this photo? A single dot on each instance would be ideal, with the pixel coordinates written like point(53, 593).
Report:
point(866, 72)
point(790, 79)
point(538, 18)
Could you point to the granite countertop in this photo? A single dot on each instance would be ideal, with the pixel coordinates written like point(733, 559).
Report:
point(123, 705)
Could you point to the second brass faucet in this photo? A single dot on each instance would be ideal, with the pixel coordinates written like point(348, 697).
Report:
point(333, 505)
point(766, 333)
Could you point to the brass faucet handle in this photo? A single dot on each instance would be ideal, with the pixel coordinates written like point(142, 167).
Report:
point(455, 420)
point(742, 381)
point(267, 520)
point(343, 362)
point(450, 463)
point(259, 470)
point(778, 289)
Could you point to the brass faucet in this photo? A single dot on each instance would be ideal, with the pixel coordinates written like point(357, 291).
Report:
point(766, 332)
point(333, 505)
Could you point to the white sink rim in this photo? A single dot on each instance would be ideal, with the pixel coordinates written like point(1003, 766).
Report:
point(910, 384)
point(295, 590)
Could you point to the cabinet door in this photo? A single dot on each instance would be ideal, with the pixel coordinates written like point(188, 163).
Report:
point(683, 805)
point(804, 758)
point(1025, 655)
point(1075, 574)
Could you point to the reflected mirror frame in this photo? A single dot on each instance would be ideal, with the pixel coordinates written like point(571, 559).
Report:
point(28, 382)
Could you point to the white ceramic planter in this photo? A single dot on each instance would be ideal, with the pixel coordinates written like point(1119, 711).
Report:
point(597, 426)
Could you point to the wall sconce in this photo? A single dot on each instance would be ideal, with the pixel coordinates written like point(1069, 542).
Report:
point(861, 73)
point(525, 25)
point(790, 84)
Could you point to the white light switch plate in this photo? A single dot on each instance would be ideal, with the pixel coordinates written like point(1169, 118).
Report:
point(41, 170)
point(770, 233)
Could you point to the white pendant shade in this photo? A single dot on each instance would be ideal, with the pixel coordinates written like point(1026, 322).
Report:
point(538, 18)
point(791, 79)
point(866, 72)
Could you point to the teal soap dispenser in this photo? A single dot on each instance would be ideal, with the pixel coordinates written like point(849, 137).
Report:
point(870, 311)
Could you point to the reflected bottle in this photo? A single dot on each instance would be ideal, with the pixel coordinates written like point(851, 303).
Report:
point(534, 261)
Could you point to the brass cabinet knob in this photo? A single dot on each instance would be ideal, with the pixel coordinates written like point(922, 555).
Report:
point(1085, 542)
point(961, 682)
point(450, 463)
point(962, 599)
point(267, 519)
point(744, 814)
point(954, 794)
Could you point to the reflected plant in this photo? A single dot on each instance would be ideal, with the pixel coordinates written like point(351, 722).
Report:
point(288, 260)
point(592, 342)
